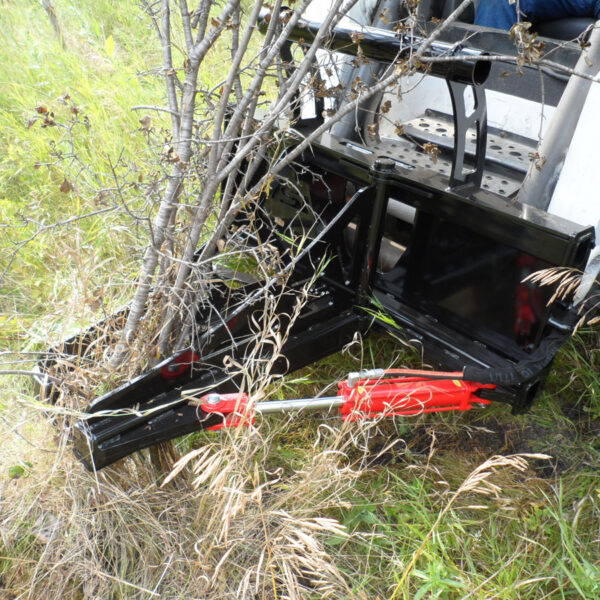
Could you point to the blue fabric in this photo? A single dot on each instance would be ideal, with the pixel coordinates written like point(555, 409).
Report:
point(502, 15)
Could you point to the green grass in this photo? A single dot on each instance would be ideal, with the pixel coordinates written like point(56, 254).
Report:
point(102, 81)
point(119, 535)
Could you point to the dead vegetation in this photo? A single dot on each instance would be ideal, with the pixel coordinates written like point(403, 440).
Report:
point(227, 523)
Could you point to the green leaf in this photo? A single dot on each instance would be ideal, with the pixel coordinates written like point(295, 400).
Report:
point(335, 540)
point(422, 591)
point(21, 470)
point(109, 46)
point(16, 471)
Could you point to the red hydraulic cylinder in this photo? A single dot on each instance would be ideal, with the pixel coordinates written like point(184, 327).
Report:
point(362, 398)
point(407, 396)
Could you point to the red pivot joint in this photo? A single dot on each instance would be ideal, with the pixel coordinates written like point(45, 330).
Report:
point(179, 365)
point(233, 407)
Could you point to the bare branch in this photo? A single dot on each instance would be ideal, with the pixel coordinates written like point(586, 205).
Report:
point(168, 67)
point(187, 25)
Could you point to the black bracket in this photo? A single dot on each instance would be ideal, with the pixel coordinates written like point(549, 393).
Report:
point(463, 120)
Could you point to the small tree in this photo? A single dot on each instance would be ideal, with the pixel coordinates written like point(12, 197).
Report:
point(219, 144)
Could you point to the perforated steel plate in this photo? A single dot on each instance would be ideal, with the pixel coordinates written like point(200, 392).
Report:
point(414, 156)
point(506, 150)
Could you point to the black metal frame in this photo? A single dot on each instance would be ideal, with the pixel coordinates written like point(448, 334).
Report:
point(156, 406)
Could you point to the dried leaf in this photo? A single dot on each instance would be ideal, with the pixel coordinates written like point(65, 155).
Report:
point(432, 150)
point(373, 129)
point(66, 187)
point(145, 122)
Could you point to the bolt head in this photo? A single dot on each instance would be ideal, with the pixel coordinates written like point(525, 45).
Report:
point(213, 399)
point(383, 163)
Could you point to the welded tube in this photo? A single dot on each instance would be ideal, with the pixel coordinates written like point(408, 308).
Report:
point(401, 210)
point(539, 183)
point(387, 46)
point(375, 13)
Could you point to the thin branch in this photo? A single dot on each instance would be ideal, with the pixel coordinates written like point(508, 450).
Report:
point(26, 373)
point(235, 44)
point(200, 19)
point(156, 108)
point(168, 67)
point(187, 25)
point(510, 58)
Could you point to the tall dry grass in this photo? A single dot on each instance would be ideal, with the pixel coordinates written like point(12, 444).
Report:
point(231, 520)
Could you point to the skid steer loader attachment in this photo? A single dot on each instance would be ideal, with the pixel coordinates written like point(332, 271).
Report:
point(421, 224)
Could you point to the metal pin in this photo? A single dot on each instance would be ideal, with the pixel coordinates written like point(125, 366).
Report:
point(213, 399)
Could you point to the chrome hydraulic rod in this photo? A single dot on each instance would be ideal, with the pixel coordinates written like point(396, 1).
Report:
point(285, 406)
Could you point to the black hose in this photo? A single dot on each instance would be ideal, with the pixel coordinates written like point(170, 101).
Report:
point(523, 371)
